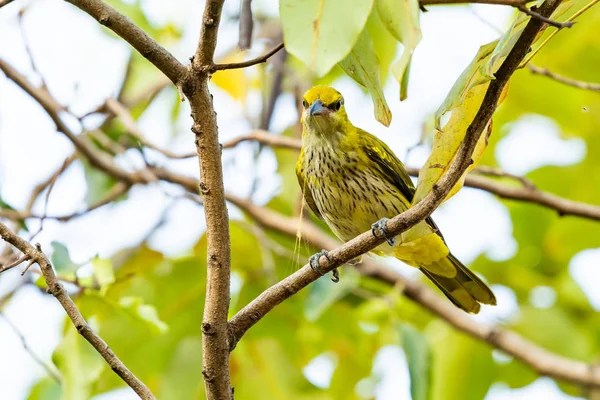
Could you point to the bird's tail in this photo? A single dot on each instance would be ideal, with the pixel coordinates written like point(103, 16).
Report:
point(465, 289)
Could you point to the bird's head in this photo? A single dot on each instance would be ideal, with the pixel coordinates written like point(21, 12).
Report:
point(324, 111)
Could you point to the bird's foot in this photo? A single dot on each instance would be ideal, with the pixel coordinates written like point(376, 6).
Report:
point(380, 231)
point(313, 261)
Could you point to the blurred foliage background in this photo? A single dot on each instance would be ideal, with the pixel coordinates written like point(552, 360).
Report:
point(324, 342)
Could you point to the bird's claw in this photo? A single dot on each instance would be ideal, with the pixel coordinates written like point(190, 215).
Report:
point(313, 261)
point(335, 276)
point(380, 231)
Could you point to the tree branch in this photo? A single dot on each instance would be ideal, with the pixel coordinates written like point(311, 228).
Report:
point(137, 38)
point(244, 64)
point(563, 79)
point(59, 292)
point(215, 348)
point(246, 24)
point(541, 360)
point(5, 2)
point(118, 190)
point(53, 109)
point(532, 12)
point(527, 193)
point(365, 242)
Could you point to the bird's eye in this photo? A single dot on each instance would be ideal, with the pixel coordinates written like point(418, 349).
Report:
point(338, 104)
point(305, 103)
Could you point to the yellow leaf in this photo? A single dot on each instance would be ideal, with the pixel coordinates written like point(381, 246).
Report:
point(233, 81)
point(447, 142)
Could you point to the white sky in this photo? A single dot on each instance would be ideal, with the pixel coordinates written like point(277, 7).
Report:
point(82, 76)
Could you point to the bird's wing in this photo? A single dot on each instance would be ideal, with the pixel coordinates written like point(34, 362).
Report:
point(390, 167)
point(304, 187)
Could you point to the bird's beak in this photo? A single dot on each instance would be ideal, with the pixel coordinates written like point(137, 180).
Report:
point(318, 108)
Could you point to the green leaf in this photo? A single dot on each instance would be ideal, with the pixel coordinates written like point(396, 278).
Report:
point(183, 376)
point(61, 260)
point(79, 364)
point(98, 183)
point(321, 33)
point(463, 368)
point(401, 18)
point(418, 357)
point(46, 389)
point(362, 65)
point(103, 272)
point(323, 293)
point(144, 312)
point(472, 76)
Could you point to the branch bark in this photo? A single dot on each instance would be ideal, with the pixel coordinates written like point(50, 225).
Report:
point(365, 242)
point(136, 37)
point(59, 292)
point(215, 348)
point(249, 63)
point(595, 87)
point(544, 362)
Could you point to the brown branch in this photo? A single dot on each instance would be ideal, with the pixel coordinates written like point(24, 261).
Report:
point(527, 193)
point(563, 79)
point(246, 24)
point(13, 264)
point(5, 2)
point(244, 64)
point(541, 360)
point(136, 37)
point(545, 199)
point(365, 242)
point(532, 12)
point(40, 187)
point(117, 191)
point(59, 292)
point(53, 109)
point(215, 348)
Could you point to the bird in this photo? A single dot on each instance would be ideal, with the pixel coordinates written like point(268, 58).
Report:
point(353, 181)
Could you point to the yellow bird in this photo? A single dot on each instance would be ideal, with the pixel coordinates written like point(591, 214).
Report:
point(354, 182)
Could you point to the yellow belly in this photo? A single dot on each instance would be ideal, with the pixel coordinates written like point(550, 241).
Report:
point(351, 201)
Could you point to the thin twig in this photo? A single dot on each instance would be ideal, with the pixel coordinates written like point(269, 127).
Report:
point(58, 291)
point(52, 373)
point(31, 262)
point(53, 108)
point(13, 264)
point(5, 2)
point(40, 187)
point(534, 14)
point(28, 48)
point(491, 171)
point(244, 64)
point(551, 35)
point(246, 24)
point(114, 193)
point(55, 177)
point(563, 79)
